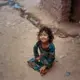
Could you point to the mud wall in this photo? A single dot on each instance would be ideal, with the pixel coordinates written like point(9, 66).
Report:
point(59, 9)
point(75, 12)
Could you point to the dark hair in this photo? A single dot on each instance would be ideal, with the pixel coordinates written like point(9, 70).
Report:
point(48, 31)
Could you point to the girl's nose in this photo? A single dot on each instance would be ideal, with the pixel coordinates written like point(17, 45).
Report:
point(43, 36)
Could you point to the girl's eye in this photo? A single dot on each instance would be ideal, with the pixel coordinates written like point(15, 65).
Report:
point(43, 35)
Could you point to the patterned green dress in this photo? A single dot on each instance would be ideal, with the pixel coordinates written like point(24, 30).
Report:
point(47, 55)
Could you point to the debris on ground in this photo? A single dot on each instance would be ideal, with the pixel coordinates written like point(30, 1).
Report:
point(12, 3)
point(1, 34)
point(76, 40)
point(16, 6)
point(3, 3)
point(62, 34)
point(56, 60)
point(68, 74)
point(59, 33)
point(34, 20)
point(62, 56)
point(23, 13)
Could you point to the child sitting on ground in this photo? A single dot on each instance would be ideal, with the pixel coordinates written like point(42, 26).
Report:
point(45, 46)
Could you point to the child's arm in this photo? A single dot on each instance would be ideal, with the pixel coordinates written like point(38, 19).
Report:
point(35, 50)
point(52, 51)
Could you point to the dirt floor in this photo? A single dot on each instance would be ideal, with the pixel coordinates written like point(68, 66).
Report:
point(17, 37)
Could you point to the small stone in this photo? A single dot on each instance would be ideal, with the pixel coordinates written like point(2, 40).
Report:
point(56, 60)
point(8, 23)
point(14, 37)
point(1, 33)
point(67, 73)
point(62, 56)
point(1, 62)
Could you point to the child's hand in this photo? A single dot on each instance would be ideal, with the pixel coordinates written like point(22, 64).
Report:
point(38, 58)
point(42, 69)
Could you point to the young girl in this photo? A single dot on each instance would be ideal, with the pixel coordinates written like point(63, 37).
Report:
point(44, 50)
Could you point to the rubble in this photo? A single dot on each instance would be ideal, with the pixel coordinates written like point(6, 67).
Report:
point(12, 3)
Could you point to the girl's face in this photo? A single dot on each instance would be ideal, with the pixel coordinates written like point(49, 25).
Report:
point(43, 37)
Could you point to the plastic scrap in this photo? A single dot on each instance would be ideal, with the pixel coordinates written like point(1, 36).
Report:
point(16, 5)
point(67, 73)
point(12, 3)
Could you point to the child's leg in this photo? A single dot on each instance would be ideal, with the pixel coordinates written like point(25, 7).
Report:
point(33, 63)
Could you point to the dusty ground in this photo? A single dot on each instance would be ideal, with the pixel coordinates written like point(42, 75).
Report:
point(17, 37)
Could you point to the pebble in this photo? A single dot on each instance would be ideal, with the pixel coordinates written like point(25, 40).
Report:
point(62, 56)
point(67, 73)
